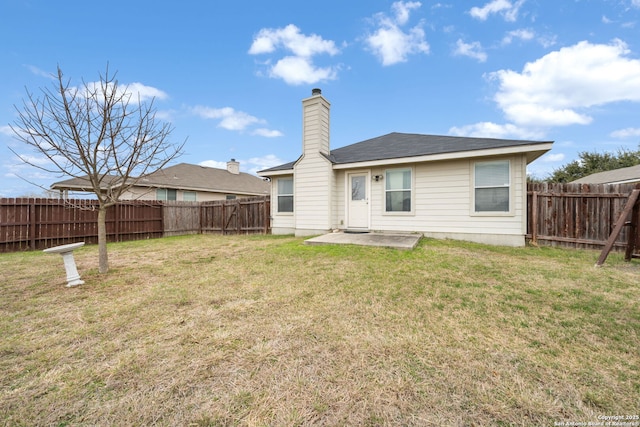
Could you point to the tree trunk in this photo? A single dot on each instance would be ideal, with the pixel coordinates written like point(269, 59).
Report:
point(103, 258)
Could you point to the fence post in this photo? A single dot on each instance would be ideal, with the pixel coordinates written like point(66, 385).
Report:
point(32, 223)
point(267, 214)
point(238, 216)
point(630, 205)
point(534, 218)
point(162, 222)
point(632, 237)
point(116, 226)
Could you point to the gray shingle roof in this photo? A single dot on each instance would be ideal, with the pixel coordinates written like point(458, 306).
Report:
point(189, 177)
point(83, 183)
point(402, 145)
point(630, 174)
point(195, 177)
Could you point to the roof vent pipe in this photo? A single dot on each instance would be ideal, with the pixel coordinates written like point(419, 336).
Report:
point(315, 92)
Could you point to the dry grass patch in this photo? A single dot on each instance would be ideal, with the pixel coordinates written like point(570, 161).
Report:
point(219, 330)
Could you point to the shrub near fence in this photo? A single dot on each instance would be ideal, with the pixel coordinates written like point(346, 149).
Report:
point(576, 215)
point(33, 224)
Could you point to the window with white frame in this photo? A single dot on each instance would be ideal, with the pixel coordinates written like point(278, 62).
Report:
point(166, 194)
point(189, 196)
point(398, 190)
point(492, 186)
point(285, 194)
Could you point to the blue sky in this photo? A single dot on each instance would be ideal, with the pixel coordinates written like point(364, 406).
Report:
point(230, 76)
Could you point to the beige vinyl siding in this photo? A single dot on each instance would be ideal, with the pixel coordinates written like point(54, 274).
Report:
point(281, 222)
point(339, 200)
point(315, 127)
point(313, 174)
point(313, 181)
point(149, 193)
point(442, 197)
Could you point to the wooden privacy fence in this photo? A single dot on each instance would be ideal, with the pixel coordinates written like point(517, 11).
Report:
point(238, 216)
point(243, 216)
point(29, 224)
point(576, 215)
point(32, 224)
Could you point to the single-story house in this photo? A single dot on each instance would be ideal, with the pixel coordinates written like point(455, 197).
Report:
point(184, 182)
point(629, 175)
point(463, 188)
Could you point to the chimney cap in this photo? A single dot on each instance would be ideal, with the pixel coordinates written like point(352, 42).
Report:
point(316, 91)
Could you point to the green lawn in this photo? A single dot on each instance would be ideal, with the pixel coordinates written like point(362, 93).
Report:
point(260, 331)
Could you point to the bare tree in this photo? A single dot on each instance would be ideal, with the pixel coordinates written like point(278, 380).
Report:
point(101, 132)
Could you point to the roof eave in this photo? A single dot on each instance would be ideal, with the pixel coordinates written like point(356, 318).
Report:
point(202, 189)
point(71, 188)
point(533, 152)
point(625, 181)
point(268, 173)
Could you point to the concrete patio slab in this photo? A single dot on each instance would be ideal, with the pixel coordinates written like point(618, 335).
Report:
point(404, 241)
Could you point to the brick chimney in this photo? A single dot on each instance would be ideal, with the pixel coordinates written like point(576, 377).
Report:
point(233, 167)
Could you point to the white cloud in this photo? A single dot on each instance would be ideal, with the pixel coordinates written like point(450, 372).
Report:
point(6, 130)
point(522, 34)
point(213, 164)
point(166, 115)
point(525, 35)
point(389, 42)
point(635, 3)
point(38, 72)
point(252, 165)
point(267, 133)
point(299, 68)
point(508, 10)
point(548, 41)
point(290, 38)
point(472, 50)
point(265, 162)
point(495, 6)
point(146, 92)
point(230, 119)
point(36, 160)
point(402, 10)
point(627, 132)
point(494, 130)
point(553, 157)
point(134, 90)
point(558, 88)
point(234, 120)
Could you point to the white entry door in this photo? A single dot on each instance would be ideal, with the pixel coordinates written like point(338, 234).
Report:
point(358, 201)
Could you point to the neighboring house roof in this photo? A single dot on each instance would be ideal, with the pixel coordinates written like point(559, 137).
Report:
point(406, 145)
point(185, 176)
point(616, 176)
point(83, 184)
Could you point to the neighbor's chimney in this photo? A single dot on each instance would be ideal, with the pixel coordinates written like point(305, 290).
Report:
point(315, 124)
point(233, 167)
